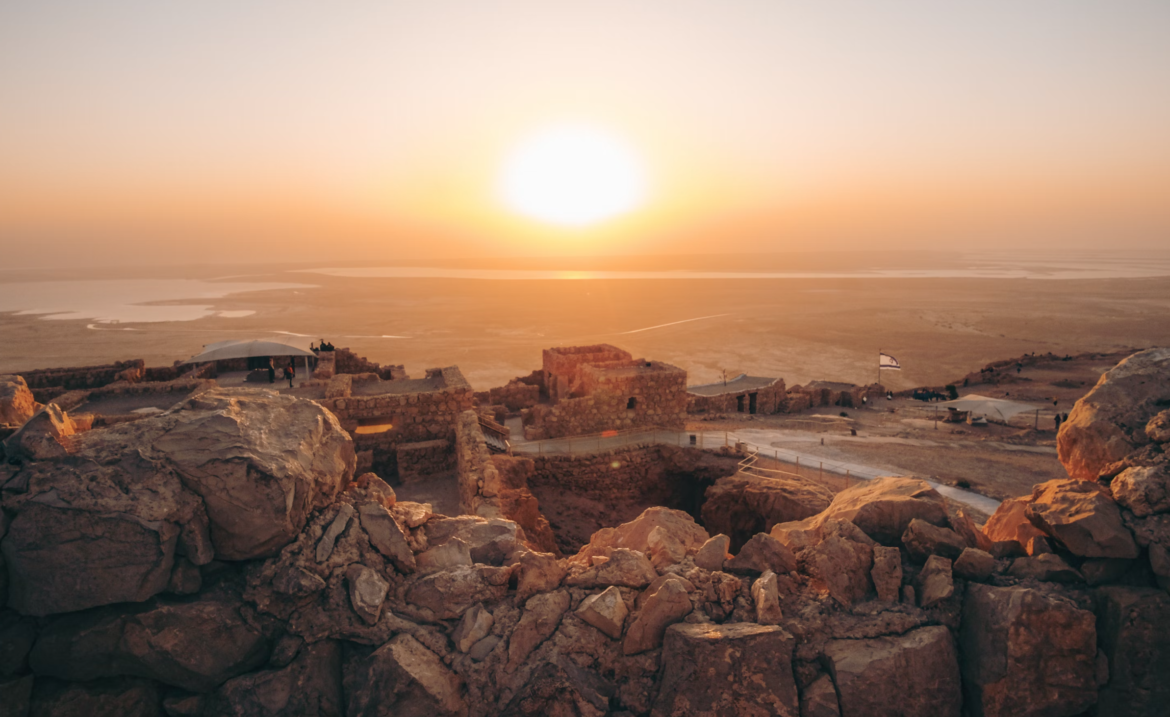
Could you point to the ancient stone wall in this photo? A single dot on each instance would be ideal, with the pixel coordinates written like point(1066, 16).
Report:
point(418, 460)
point(562, 366)
point(346, 361)
point(48, 383)
point(474, 468)
point(623, 475)
point(769, 399)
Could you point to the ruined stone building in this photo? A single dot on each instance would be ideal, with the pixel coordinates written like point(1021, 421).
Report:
point(599, 388)
point(742, 394)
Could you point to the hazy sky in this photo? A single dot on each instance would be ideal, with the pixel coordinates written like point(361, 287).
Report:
point(299, 130)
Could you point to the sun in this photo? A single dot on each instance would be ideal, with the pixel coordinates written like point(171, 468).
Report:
point(572, 176)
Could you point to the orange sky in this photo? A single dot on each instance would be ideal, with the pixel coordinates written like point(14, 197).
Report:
point(375, 130)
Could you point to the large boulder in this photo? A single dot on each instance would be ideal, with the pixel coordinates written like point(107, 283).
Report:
point(1109, 422)
point(193, 645)
point(760, 554)
point(912, 675)
point(491, 541)
point(309, 685)
point(666, 605)
point(261, 462)
point(923, 539)
point(1026, 652)
point(1145, 490)
point(635, 534)
point(401, 677)
point(732, 669)
point(17, 404)
point(229, 475)
point(1010, 522)
point(839, 566)
point(883, 508)
point(743, 504)
point(448, 593)
point(1133, 625)
point(48, 434)
point(1082, 518)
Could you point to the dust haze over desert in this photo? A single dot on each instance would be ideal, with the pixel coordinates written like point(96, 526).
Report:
point(618, 335)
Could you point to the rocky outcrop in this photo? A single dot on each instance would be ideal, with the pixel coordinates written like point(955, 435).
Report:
point(1134, 630)
point(1110, 421)
point(309, 685)
point(401, 677)
point(1026, 651)
point(17, 404)
point(1082, 518)
point(743, 505)
point(754, 661)
point(104, 523)
point(1145, 490)
point(912, 675)
point(1010, 523)
point(883, 508)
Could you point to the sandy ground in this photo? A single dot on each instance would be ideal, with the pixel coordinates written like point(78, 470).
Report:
point(799, 329)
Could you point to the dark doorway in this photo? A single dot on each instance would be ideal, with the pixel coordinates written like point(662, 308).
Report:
point(632, 403)
point(752, 402)
point(739, 403)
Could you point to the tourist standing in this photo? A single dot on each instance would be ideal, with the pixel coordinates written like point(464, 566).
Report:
point(290, 372)
point(271, 371)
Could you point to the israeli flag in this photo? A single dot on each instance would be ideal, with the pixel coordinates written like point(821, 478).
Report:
point(886, 361)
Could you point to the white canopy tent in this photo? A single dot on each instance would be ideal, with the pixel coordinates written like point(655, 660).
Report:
point(999, 408)
point(253, 348)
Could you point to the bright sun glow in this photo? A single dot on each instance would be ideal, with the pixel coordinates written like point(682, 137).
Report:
point(573, 176)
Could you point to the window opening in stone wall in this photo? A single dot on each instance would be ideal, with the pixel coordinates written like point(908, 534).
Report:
point(739, 403)
point(752, 402)
point(632, 403)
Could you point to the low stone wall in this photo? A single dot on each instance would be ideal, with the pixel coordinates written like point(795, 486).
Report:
point(346, 361)
point(49, 383)
point(515, 396)
point(621, 475)
point(418, 460)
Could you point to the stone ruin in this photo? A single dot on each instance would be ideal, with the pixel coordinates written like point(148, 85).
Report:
point(602, 388)
point(198, 562)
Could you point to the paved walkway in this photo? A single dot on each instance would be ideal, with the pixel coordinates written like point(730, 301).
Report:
point(758, 440)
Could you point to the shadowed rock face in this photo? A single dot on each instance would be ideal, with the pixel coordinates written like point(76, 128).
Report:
point(1110, 421)
point(883, 508)
point(233, 475)
point(912, 675)
point(742, 505)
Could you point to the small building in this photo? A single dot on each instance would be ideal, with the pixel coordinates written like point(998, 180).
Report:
point(599, 388)
point(742, 394)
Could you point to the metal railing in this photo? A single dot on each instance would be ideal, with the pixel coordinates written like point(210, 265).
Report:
point(627, 438)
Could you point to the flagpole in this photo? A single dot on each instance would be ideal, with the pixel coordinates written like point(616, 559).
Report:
point(879, 371)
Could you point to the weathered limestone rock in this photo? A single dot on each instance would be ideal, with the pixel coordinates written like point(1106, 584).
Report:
point(635, 535)
point(760, 554)
point(1153, 533)
point(542, 615)
point(48, 434)
point(935, 583)
point(1145, 490)
point(974, 564)
point(490, 541)
point(713, 553)
point(447, 593)
point(914, 675)
point(386, 536)
point(185, 578)
point(309, 685)
point(743, 505)
point(1098, 571)
point(453, 553)
point(107, 698)
point(17, 404)
point(966, 529)
point(666, 606)
point(887, 572)
point(194, 645)
point(411, 514)
point(606, 611)
point(839, 566)
point(1109, 422)
point(752, 664)
point(538, 573)
point(1134, 629)
point(800, 534)
point(336, 527)
point(820, 699)
point(1158, 429)
point(260, 461)
point(1026, 652)
point(475, 625)
point(628, 568)
point(1081, 517)
point(883, 508)
point(17, 635)
point(369, 487)
point(561, 688)
point(367, 592)
point(922, 540)
point(480, 650)
point(401, 677)
point(665, 550)
point(1010, 523)
point(766, 596)
point(1048, 567)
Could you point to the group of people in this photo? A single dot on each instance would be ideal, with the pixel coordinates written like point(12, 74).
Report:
point(325, 346)
point(290, 371)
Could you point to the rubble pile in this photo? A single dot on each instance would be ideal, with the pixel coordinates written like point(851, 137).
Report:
point(221, 559)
